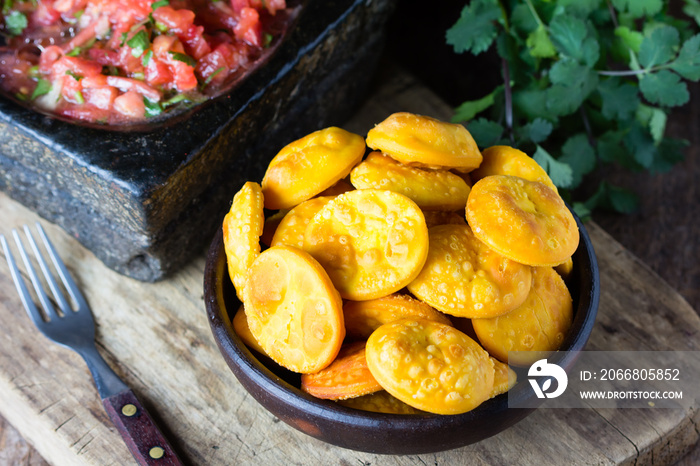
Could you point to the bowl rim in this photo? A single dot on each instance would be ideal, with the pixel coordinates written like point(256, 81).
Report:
point(242, 360)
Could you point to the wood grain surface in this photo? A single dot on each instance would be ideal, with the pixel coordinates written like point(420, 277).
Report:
point(156, 336)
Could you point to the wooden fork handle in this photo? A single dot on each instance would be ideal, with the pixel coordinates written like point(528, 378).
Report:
point(140, 433)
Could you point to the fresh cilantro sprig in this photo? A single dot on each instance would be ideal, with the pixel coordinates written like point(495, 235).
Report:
point(587, 83)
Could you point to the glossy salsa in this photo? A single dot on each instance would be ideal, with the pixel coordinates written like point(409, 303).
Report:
point(124, 61)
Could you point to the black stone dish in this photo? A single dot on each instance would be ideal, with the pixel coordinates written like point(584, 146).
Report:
point(278, 390)
point(145, 200)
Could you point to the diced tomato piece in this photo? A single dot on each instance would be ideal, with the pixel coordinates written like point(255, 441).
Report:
point(249, 28)
point(101, 97)
point(85, 113)
point(72, 90)
point(129, 62)
point(128, 84)
point(164, 44)
point(104, 57)
point(178, 21)
point(130, 105)
point(238, 5)
point(194, 42)
point(76, 65)
point(48, 57)
point(90, 82)
point(183, 75)
point(158, 72)
point(46, 14)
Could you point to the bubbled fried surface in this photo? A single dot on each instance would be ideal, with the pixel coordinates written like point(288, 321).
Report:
point(430, 366)
point(538, 325)
point(429, 189)
point(308, 166)
point(292, 227)
point(506, 160)
point(464, 277)
point(364, 317)
point(242, 228)
point(523, 220)
point(347, 377)
point(371, 242)
point(423, 141)
point(293, 310)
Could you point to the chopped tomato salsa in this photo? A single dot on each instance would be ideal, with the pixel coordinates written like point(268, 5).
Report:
point(123, 61)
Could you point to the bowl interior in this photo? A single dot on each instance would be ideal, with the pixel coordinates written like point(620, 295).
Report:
point(277, 389)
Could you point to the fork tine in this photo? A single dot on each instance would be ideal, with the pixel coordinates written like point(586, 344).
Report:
point(21, 286)
point(53, 284)
point(68, 281)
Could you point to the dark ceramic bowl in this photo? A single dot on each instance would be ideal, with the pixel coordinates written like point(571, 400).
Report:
point(278, 390)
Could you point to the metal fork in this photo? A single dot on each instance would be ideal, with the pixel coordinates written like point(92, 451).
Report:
point(75, 329)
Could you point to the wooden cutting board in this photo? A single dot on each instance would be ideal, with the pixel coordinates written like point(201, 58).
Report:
point(156, 336)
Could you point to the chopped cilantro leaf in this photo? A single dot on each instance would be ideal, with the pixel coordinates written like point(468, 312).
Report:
point(147, 58)
point(74, 52)
point(475, 31)
point(42, 87)
point(159, 4)
point(183, 58)
point(15, 23)
point(139, 43)
point(152, 108)
point(211, 76)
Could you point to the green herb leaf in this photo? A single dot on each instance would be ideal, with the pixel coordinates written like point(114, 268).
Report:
point(573, 83)
point(72, 74)
point(570, 37)
point(688, 62)
point(539, 43)
point(669, 153)
point(536, 131)
point(619, 100)
point(655, 119)
point(658, 47)
point(183, 58)
point(211, 76)
point(139, 43)
point(152, 108)
point(664, 88)
point(15, 23)
point(486, 133)
point(159, 3)
point(560, 173)
point(639, 8)
point(74, 52)
point(147, 58)
point(610, 148)
point(692, 9)
point(475, 30)
point(640, 143)
point(630, 38)
point(470, 109)
point(578, 154)
point(43, 86)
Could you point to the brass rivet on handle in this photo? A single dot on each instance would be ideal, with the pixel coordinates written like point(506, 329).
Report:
point(156, 453)
point(129, 410)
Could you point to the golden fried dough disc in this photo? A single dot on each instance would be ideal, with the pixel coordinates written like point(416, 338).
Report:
point(240, 326)
point(523, 220)
point(539, 325)
point(292, 227)
point(309, 165)
point(430, 189)
point(380, 402)
point(293, 310)
point(505, 160)
point(441, 217)
point(371, 242)
point(430, 366)
point(565, 268)
point(504, 378)
point(346, 377)
point(420, 140)
point(364, 317)
point(464, 277)
point(242, 228)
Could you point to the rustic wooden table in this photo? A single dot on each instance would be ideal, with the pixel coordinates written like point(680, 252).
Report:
point(157, 337)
